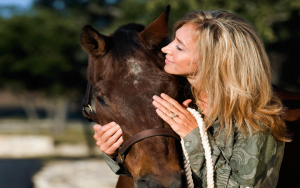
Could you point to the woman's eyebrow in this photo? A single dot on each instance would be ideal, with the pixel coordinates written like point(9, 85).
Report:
point(180, 41)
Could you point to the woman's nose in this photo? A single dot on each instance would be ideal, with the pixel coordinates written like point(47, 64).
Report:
point(166, 49)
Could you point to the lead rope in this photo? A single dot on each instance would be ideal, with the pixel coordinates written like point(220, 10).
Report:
point(207, 152)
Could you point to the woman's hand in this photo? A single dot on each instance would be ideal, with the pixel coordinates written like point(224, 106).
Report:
point(108, 138)
point(184, 122)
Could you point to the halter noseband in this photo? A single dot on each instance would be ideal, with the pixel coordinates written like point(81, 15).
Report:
point(124, 149)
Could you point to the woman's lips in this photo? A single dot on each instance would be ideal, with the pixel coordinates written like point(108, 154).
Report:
point(168, 61)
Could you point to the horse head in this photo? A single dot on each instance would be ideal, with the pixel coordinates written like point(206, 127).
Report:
point(125, 70)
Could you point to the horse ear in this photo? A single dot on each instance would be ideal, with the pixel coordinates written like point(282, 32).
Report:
point(92, 41)
point(157, 31)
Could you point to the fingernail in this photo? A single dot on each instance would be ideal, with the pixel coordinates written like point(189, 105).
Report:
point(95, 126)
point(98, 127)
point(118, 126)
point(163, 95)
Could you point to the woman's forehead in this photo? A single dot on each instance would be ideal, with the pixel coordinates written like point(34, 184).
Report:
point(185, 35)
point(186, 28)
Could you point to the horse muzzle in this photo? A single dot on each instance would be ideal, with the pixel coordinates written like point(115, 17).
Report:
point(175, 180)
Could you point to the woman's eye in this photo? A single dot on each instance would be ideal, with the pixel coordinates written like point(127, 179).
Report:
point(178, 48)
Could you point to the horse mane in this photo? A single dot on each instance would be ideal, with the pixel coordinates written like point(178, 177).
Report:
point(132, 27)
point(126, 41)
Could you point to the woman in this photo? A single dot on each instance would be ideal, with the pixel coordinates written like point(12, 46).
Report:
point(225, 62)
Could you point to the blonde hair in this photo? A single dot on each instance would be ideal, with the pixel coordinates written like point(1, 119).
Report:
point(234, 73)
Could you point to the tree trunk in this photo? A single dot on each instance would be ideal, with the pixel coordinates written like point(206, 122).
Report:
point(60, 115)
point(30, 109)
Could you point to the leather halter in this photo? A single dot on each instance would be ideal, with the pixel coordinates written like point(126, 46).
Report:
point(91, 116)
point(124, 149)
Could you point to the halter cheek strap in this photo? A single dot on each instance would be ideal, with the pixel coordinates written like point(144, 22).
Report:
point(91, 116)
point(124, 149)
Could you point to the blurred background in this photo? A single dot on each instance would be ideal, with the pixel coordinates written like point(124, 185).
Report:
point(44, 141)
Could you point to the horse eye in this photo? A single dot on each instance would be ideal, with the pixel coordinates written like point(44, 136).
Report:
point(101, 101)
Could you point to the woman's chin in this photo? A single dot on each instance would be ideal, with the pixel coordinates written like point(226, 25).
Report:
point(170, 70)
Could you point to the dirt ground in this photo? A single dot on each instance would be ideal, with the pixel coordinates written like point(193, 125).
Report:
point(87, 173)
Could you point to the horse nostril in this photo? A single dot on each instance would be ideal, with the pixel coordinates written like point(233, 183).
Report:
point(174, 181)
point(141, 183)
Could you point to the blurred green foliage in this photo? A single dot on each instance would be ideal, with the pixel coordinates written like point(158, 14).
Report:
point(40, 50)
point(262, 14)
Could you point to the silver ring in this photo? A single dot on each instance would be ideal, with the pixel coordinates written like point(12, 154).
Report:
point(174, 115)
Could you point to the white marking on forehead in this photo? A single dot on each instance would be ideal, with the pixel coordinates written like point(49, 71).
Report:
point(134, 66)
point(134, 69)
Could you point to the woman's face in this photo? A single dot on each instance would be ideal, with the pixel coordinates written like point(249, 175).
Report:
point(181, 55)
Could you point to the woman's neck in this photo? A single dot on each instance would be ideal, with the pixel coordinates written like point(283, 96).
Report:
point(191, 80)
point(202, 104)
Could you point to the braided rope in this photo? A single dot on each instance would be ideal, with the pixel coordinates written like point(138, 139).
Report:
point(207, 152)
point(187, 167)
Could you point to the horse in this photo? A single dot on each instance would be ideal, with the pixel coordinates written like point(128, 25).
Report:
point(125, 70)
point(288, 175)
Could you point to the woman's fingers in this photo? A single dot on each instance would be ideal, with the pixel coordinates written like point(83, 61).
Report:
point(99, 130)
point(163, 109)
point(110, 141)
point(171, 107)
point(176, 115)
point(109, 133)
point(96, 127)
point(113, 148)
point(186, 103)
point(165, 106)
point(172, 102)
point(106, 131)
point(108, 137)
point(176, 126)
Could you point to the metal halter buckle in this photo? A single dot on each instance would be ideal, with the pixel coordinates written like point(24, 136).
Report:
point(122, 158)
point(91, 109)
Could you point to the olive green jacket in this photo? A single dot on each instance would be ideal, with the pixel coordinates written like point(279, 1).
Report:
point(240, 162)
